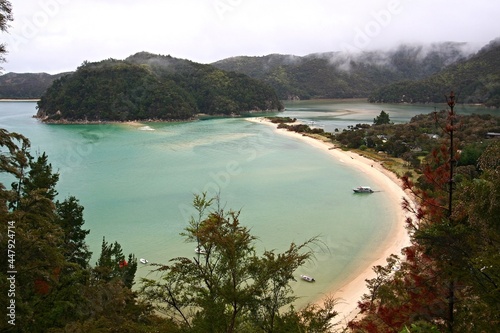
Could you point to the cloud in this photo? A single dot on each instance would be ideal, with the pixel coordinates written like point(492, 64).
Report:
point(58, 35)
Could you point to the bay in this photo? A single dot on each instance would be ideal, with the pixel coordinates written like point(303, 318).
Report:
point(136, 182)
point(338, 114)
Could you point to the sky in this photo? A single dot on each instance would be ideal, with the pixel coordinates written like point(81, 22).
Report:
point(55, 36)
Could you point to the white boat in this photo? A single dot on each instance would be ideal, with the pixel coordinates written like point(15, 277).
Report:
point(307, 278)
point(200, 250)
point(363, 189)
point(143, 261)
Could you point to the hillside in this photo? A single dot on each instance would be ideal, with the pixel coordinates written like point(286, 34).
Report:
point(26, 85)
point(151, 87)
point(475, 80)
point(409, 73)
point(345, 75)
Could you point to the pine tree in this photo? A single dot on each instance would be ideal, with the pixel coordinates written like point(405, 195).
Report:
point(382, 118)
point(112, 265)
point(70, 219)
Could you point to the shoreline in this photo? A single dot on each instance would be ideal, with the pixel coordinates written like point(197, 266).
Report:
point(348, 292)
point(19, 99)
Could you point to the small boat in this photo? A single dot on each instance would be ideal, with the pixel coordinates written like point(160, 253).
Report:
point(200, 250)
point(307, 278)
point(143, 261)
point(363, 189)
point(396, 267)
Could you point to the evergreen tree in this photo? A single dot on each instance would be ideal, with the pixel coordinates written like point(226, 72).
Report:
point(53, 289)
point(112, 265)
point(40, 176)
point(382, 118)
point(449, 276)
point(70, 219)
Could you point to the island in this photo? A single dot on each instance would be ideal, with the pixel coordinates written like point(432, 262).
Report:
point(152, 87)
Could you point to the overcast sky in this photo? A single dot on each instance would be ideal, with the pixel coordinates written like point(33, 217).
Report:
point(58, 35)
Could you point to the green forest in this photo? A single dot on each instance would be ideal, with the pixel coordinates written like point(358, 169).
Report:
point(475, 80)
point(151, 87)
point(345, 75)
point(448, 279)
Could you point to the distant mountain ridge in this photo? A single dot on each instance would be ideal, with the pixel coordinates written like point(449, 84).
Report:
point(382, 76)
point(26, 85)
point(346, 75)
point(475, 80)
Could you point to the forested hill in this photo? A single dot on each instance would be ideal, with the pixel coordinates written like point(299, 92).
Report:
point(152, 87)
point(25, 85)
point(475, 80)
point(346, 75)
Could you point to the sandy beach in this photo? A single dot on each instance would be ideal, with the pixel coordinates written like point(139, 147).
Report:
point(350, 292)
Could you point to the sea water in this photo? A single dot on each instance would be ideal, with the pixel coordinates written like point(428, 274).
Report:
point(137, 181)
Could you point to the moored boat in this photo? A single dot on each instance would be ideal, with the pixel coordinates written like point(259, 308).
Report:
point(143, 261)
point(363, 189)
point(307, 278)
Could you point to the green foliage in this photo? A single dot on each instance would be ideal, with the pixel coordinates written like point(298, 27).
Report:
point(112, 265)
point(476, 80)
point(323, 75)
point(40, 176)
point(230, 288)
point(54, 290)
point(151, 87)
point(5, 17)
point(70, 219)
point(382, 119)
point(342, 75)
point(418, 137)
point(448, 279)
point(26, 85)
point(114, 91)
point(281, 120)
point(287, 123)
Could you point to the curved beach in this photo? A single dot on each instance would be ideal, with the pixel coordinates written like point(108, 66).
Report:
point(350, 291)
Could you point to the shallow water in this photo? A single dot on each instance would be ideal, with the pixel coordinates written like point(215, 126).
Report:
point(137, 182)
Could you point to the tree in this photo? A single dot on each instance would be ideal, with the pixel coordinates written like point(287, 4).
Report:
point(230, 288)
point(449, 278)
point(54, 290)
point(27, 208)
point(70, 219)
point(382, 118)
point(113, 265)
point(40, 176)
point(5, 17)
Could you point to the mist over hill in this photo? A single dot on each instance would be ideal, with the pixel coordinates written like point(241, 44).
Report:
point(476, 80)
point(409, 73)
point(344, 74)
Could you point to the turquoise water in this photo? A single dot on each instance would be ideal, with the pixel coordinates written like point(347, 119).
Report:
point(332, 114)
point(137, 182)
